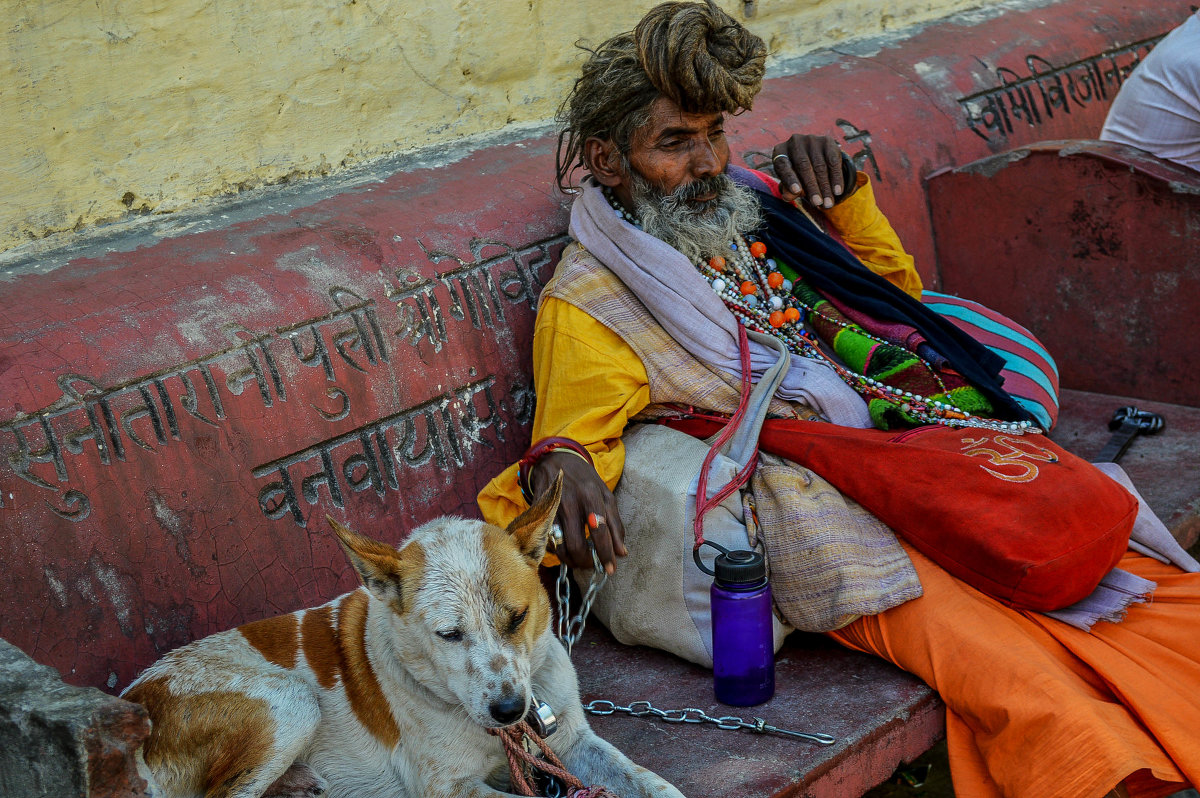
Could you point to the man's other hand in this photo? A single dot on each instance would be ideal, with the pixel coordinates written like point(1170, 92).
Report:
point(584, 494)
point(811, 168)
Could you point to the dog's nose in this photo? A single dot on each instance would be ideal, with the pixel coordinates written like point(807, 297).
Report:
point(507, 710)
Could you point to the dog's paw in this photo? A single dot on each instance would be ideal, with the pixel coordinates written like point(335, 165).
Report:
point(298, 781)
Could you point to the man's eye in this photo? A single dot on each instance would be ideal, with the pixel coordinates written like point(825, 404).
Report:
point(517, 620)
point(452, 635)
point(717, 134)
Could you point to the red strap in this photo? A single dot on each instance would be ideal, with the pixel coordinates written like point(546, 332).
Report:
point(703, 504)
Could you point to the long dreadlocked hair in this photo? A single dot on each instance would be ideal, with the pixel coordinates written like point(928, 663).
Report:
point(692, 53)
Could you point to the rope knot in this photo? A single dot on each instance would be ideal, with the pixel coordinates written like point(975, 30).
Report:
point(521, 761)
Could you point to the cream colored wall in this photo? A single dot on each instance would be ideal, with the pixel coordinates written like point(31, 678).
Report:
point(113, 107)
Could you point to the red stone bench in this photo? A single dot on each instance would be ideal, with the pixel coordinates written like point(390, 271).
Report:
point(179, 409)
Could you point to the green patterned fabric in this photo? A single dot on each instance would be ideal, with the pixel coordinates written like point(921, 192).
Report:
point(889, 363)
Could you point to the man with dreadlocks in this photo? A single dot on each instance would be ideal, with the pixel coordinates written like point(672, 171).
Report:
point(647, 308)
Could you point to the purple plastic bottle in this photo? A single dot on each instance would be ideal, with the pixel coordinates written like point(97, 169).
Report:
point(743, 643)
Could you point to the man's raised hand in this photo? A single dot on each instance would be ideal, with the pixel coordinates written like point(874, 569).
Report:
point(584, 497)
point(809, 167)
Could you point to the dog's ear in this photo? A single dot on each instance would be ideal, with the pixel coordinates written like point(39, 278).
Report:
point(381, 568)
point(532, 528)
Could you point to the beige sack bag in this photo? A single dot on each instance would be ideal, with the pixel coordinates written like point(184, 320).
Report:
point(658, 597)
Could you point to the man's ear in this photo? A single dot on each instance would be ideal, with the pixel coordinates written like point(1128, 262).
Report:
point(381, 567)
point(603, 160)
point(532, 528)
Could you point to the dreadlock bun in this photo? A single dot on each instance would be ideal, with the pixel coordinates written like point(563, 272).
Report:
point(700, 57)
point(692, 53)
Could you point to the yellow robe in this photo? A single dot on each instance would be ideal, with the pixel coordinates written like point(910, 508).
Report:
point(589, 382)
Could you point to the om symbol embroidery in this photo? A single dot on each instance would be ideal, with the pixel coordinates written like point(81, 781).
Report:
point(1020, 461)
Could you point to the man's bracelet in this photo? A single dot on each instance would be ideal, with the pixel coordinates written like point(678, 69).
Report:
point(540, 449)
point(849, 177)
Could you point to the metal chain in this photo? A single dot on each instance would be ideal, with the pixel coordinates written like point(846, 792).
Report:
point(641, 709)
point(570, 629)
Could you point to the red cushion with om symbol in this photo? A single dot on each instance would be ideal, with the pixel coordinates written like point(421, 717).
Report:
point(1014, 516)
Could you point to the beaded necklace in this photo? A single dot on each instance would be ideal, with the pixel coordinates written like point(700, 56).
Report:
point(760, 297)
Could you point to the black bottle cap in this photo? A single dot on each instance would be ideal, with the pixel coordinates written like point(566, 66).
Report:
point(740, 567)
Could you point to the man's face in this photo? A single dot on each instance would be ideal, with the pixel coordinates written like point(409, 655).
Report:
point(674, 181)
point(676, 148)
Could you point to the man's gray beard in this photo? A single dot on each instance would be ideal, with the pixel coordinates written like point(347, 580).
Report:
point(699, 231)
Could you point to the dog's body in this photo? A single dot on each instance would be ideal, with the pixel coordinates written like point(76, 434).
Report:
point(385, 691)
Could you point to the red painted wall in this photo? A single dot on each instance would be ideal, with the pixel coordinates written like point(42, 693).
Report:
point(1108, 243)
point(180, 418)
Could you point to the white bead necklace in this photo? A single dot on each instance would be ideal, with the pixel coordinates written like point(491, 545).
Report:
point(760, 297)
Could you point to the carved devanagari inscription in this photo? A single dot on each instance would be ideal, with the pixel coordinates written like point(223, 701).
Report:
point(1034, 98)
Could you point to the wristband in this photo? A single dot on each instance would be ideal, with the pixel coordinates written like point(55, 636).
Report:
point(540, 449)
point(849, 178)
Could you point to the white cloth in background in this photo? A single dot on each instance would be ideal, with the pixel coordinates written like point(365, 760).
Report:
point(1158, 107)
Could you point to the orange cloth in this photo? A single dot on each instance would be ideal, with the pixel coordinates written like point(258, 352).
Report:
point(1039, 708)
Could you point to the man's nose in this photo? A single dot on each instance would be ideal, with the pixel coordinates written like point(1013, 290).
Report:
point(706, 162)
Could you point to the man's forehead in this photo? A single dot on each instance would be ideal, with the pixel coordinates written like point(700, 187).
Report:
point(666, 117)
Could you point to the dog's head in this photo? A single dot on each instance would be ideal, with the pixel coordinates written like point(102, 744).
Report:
point(469, 615)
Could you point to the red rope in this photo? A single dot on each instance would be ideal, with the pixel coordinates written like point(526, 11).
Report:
point(511, 736)
point(703, 503)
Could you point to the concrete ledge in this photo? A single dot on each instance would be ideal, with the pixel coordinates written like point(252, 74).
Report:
point(880, 716)
point(1091, 245)
point(61, 741)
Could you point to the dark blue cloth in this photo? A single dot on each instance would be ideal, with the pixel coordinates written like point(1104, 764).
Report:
point(833, 270)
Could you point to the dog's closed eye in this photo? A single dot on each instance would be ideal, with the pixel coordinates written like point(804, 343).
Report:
point(451, 635)
point(518, 618)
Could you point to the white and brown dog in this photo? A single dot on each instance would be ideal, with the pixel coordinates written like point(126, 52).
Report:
point(385, 691)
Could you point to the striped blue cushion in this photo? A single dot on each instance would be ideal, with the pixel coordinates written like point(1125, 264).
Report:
point(1029, 374)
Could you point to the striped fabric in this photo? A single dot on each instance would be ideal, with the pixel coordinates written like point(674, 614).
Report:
point(1029, 374)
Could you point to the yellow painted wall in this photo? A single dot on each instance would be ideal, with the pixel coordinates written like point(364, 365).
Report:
point(113, 107)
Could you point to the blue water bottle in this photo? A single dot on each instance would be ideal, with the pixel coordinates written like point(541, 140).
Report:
point(742, 634)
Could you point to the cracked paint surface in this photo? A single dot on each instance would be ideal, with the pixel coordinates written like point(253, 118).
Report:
point(152, 398)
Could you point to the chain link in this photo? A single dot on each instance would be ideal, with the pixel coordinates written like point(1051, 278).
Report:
point(570, 628)
point(641, 709)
